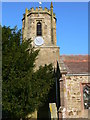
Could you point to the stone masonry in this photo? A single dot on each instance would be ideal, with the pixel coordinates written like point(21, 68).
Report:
point(75, 76)
point(30, 19)
point(73, 97)
point(49, 51)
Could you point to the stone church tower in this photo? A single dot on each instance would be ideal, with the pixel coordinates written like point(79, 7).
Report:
point(40, 26)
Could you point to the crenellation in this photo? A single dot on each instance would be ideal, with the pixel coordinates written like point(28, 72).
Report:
point(32, 9)
point(43, 15)
point(36, 9)
point(40, 9)
point(26, 11)
point(54, 14)
point(45, 9)
point(49, 11)
point(71, 85)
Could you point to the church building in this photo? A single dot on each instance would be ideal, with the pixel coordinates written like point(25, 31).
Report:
point(75, 86)
point(72, 86)
point(40, 26)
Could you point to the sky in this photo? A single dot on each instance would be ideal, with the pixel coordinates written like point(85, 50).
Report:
point(71, 25)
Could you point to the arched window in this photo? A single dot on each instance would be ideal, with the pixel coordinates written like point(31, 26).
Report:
point(39, 29)
point(86, 96)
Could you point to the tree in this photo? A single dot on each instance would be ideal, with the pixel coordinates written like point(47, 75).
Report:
point(23, 89)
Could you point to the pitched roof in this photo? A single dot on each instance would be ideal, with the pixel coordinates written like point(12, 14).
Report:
point(75, 64)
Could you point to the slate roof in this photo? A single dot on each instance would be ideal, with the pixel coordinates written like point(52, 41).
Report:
point(75, 64)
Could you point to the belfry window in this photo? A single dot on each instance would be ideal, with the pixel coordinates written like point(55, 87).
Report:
point(39, 29)
point(86, 96)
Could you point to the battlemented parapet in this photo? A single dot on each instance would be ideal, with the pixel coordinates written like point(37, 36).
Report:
point(47, 20)
point(40, 11)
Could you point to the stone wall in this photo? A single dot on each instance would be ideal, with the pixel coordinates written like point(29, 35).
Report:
point(49, 52)
point(73, 96)
point(47, 55)
point(29, 25)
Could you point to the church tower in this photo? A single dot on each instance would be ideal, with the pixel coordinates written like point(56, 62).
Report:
point(40, 26)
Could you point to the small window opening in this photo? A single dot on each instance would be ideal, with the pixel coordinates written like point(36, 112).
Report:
point(86, 97)
point(39, 29)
